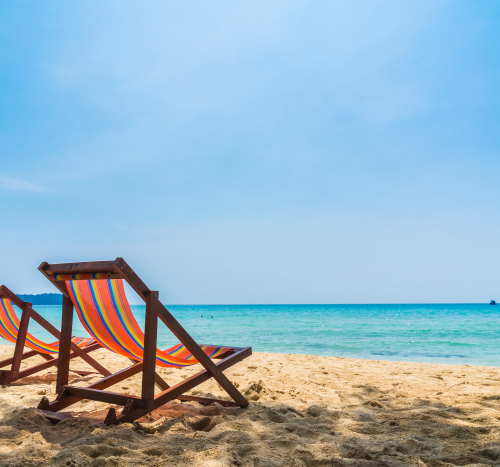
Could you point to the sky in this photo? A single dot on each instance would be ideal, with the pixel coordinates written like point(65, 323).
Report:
point(255, 152)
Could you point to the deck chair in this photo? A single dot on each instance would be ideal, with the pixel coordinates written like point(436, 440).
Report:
point(16, 331)
point(95, 290)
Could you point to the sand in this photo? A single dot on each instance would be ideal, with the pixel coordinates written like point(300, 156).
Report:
point(304, 411)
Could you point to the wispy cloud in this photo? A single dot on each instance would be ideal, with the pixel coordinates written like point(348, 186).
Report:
point(11, 183)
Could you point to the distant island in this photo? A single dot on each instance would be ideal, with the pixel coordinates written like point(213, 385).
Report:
point(42, 299)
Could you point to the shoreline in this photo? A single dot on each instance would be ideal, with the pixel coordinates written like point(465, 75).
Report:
point(26, 349)
point(304, 410)
point(463, 335)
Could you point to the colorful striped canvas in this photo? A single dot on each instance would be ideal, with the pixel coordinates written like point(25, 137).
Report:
point(105, 313)
point(9, 328)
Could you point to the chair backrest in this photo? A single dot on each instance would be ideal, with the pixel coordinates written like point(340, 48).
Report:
point(9, 328)
point(103, 309)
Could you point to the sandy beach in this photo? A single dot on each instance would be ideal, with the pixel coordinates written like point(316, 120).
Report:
point(304, 411)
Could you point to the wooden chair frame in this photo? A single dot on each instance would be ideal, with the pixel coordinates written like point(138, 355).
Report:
point(135, 407)
point(15, 373)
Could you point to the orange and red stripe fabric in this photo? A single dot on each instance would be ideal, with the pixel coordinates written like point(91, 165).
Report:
point(105, 313)
point(9, 328)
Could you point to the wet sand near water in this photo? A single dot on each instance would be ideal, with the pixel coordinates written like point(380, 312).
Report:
point(304, 411)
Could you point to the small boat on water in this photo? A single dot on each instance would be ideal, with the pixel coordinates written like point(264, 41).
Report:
point(492, 302)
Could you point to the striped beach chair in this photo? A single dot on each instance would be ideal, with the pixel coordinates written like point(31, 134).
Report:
point(15, 330)
point(105, 313)
point(96, 292)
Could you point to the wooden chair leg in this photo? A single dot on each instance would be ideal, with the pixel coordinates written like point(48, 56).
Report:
point(64, 344)
point(21, 340)
point(150, 336)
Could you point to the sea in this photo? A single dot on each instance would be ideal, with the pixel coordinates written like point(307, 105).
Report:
point(429, 333)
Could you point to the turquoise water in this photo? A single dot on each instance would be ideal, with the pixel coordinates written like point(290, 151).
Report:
point(457, 333)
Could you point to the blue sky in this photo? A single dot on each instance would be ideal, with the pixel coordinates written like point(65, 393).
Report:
point(258, 152)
